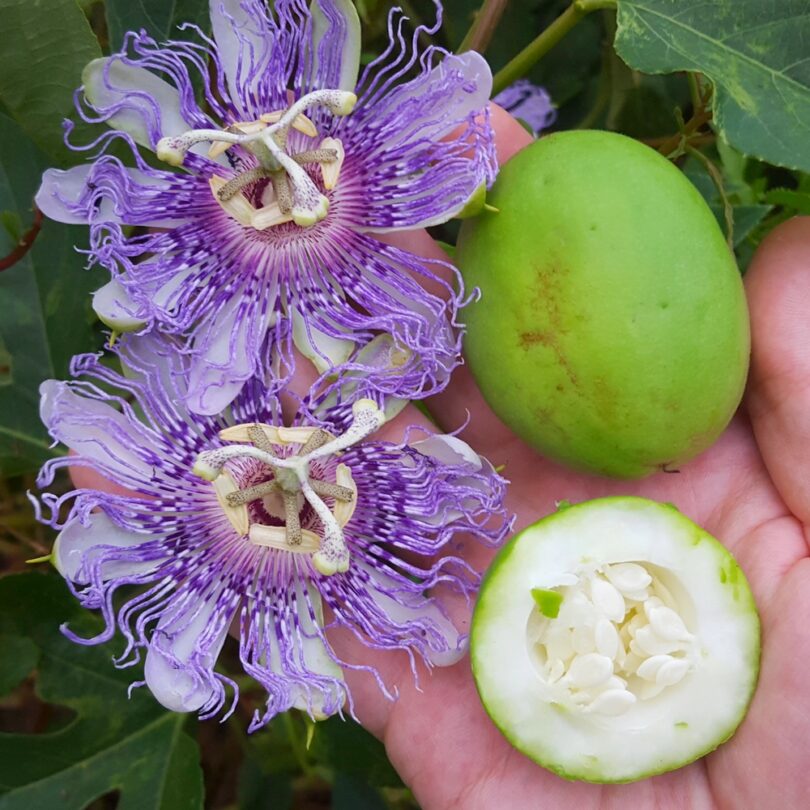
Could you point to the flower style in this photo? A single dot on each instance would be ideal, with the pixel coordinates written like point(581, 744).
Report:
point(243, 522)
point(267, 237)
point(529, 102)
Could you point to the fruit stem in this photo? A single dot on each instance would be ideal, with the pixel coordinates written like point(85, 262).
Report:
point(521, 64)
point(482, 29)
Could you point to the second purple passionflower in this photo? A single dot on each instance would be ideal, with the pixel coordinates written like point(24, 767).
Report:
point(291, 163)
point(254, 524)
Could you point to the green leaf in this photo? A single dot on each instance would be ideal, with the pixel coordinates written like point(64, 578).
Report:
point(113, 743)
point(44, 44)
point(18, 657)
point(755, 53)
point(352, 793)
point(348, 748)
point(45, 301)
point(159, 18)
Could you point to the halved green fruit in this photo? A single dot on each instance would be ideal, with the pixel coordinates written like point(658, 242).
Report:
point(651, 658)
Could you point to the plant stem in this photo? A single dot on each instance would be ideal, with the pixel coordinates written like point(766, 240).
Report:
point(521, 64)
point(481, 31)
point(717, 179)
point(694, 123)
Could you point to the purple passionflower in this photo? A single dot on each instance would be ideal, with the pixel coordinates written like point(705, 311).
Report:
point(529, 102)
point(291, 169)
point(239, 521)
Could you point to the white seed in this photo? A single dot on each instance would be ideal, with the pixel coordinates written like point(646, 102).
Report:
point(637, 596)
point(650, 690)
point(649, 669)
point(606, 638)
point(663, 593)
point(607, 599)
point(559, 643)
point(576, 610)
point(554, 670)
point(628, 577)
point(613, 702)
point(633, 661)
point(651, 603)
point(651, 644)
point(672, 672)
point(668, 624)
point(634, 625)
point(590, 670)
point(582, 639)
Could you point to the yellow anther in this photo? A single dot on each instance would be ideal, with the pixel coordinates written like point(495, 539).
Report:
point(331, 171)
point(276, 537)
point(344, 510)
point(237, 206)
point(301, 122)
point(237, 515)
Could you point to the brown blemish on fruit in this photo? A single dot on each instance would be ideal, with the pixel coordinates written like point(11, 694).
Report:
point(529, 340)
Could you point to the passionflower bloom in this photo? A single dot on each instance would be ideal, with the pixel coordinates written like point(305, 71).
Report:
point(290, 168)
point(252, 523)
point(529, 102)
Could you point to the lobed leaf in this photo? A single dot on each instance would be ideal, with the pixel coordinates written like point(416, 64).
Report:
point(754, 52)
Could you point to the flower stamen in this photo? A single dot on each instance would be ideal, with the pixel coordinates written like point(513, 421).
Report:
point(291, 477)
point(266, 139)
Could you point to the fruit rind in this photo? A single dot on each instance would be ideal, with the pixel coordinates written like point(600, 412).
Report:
point(685, 734)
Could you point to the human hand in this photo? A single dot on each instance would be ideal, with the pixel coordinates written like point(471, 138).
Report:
point(750, 491)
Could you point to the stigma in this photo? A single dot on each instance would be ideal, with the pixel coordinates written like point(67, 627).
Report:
point(287, 192)
point(290, 483)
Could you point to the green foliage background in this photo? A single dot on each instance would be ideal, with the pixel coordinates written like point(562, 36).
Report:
point(722, 87)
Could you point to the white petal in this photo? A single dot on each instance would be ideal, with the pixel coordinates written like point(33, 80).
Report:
point(322, 350)
point(407, 607)
point(174, 685)
point(60, 190)
point(76, 543)
point(336, 24)
point(95, 430)
point(448, 450)
point(243, 44)
point(316, 658)
point(115, 308)
point(219, 372)
point(109, 82)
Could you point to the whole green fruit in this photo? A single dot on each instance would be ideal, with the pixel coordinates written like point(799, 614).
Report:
point(612, 332)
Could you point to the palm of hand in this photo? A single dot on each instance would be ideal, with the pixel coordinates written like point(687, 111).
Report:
point(748, 490)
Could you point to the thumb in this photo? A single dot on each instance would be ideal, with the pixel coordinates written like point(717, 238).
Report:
point(778, 285)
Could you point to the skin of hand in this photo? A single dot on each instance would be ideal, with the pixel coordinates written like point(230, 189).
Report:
point(751, 490)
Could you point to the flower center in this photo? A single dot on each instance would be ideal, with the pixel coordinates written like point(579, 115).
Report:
point(610, 638)
point(290, 483)
point(287, 193)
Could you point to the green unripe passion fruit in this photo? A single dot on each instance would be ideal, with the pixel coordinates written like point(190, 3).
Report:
point(612, 332)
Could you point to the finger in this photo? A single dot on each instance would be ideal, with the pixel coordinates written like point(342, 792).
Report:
point(778, 285)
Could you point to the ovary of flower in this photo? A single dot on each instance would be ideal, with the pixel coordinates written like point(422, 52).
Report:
point(309, 205)
point(332, 555)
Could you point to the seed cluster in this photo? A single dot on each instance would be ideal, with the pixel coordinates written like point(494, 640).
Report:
point(618, 638)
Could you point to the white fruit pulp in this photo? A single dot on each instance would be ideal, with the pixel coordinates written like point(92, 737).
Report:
point(675, 698)
point(618, 638)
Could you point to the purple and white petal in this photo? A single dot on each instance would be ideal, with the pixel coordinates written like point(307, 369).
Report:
point(319, 488)
point(336, 44)
point(134, 100)
point(99, 549)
